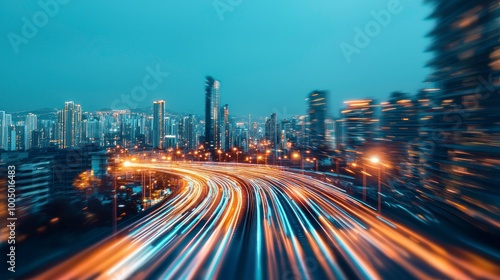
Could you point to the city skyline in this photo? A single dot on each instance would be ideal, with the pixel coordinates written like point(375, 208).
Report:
point(318, 62)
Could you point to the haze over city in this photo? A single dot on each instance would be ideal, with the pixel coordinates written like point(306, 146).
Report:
point(267, 57)
point(232, 139)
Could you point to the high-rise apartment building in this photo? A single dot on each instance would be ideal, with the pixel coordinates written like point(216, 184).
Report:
point(358, 124)
point(158, 124)
point(271, 131)
point(70, 125)
point(3, 131)
point(318, 110)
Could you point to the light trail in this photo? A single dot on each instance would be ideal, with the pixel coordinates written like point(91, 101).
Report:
point(247, 222)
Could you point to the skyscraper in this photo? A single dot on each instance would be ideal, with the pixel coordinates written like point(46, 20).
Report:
point(158, 124)
point(463, 155)
point(271, 130)
point(318, 110)
point(3, 131)
point(358, 125)
point(189, 132)
point(172, 132)
point(70, 125)
point(226, 129)
point(212, 126)
point(399, 128)
point(9, 131)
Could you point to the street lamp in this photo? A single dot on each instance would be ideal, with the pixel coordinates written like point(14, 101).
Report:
point(376, 161)
point(297, 156)
point(114, 206)
point(316, 160)
point(337, 166)
point(364, 181)
point(125, 164)
point(237, 152)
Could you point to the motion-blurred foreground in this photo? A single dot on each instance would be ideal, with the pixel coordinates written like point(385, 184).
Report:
point(404, 188)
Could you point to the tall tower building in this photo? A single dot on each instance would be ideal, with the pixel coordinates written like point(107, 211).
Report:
point(70, 125)
point(226, 129)
point(172, 132)
point(158, 124)
point(463, 155)
point(318, 110)
point(3, 131)
point(31, 125)
point(212, 126)
point(399, 128)
point(8, 133)
point(271, 131)
point(358, 125)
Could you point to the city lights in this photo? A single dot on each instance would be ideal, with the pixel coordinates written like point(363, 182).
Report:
point(374, 159)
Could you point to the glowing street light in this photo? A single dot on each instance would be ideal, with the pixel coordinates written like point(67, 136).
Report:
point(374, 159)
point(235, 149)
point(299, 156)
point(220, 153)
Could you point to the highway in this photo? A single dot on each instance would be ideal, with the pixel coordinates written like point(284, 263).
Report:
point(234, 221)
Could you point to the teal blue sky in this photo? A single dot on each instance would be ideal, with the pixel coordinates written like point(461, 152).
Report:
point(268, 55)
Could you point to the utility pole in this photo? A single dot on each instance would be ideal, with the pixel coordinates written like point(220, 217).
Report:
point(114, 206)
point(379, 194)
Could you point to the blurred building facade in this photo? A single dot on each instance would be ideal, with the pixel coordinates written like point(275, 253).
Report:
point(271, 131)
point(158, 124)
point(70, 118)
point(358, 126)
point(225, 128)
point(463, 137)
point(399, 130)
point(318, 113)
point(212, 126)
